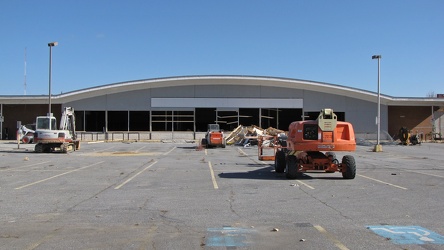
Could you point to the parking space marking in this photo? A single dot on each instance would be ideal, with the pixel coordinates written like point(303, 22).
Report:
point(331, 237)
point(43, 240)
point(386, 183)
point(411, 235)
point(434, 175)
point(140, 149)
point(253, 158)
point(213, 178)
point(271, 164)
point(95, 142)
point(229, 237)
point(166, 153)
point(305, 184)
point(242, 152)
point(55, 176)
point(134, 176)
point(31, 165)
point(104, 150)
point(99, 150)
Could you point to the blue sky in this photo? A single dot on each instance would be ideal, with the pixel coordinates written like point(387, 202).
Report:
point(103, 42)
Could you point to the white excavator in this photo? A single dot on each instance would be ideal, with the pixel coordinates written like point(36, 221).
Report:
point(50, 139)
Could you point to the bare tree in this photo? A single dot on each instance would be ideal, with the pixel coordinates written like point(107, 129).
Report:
point(431, 94)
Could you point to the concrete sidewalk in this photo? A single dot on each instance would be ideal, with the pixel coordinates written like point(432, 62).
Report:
point(12, 145)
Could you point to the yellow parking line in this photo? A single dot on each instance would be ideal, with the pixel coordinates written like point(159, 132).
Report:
point(393, 185)
point(213, 178)
point(55, 176)
point(331, 237)
point(134, 176)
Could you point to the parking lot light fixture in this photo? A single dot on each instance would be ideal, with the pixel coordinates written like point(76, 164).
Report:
point(378, 147)
point(50, 45)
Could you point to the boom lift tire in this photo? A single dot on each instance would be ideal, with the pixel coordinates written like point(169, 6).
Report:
point(292, 167)
point(333, 159)
point(279, 161)
point(350, 167)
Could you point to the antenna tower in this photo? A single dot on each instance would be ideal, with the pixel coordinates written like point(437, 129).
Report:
point(25, 73)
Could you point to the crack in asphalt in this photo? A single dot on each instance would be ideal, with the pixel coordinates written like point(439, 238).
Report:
point(325, 204)
point(109, 186)
point(231, 201)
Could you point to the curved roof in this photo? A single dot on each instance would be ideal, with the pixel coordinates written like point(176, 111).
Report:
point(222, 80)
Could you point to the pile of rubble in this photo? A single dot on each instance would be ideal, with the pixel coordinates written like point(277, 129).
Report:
point(247, 136)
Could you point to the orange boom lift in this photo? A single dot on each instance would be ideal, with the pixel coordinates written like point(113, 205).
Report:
point(303, 149)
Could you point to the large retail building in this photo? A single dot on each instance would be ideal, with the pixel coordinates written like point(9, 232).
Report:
point(181, 107)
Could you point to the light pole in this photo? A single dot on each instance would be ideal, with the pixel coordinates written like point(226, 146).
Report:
point(50, 45)
point(378, 147)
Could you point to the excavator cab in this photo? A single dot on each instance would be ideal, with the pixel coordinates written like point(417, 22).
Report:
point(46, 122)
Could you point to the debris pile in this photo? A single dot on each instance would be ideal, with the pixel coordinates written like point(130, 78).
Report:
point(248, 135)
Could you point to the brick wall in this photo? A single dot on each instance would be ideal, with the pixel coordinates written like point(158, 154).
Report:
point(416, 119)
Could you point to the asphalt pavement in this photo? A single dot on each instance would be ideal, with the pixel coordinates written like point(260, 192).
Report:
point(144, 195)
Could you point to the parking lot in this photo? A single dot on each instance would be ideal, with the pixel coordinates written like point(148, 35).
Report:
point(145, 195)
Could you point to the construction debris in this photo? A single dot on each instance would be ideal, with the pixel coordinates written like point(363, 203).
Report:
point(247, 136)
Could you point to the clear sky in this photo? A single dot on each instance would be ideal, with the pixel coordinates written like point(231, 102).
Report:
point(332, 41)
